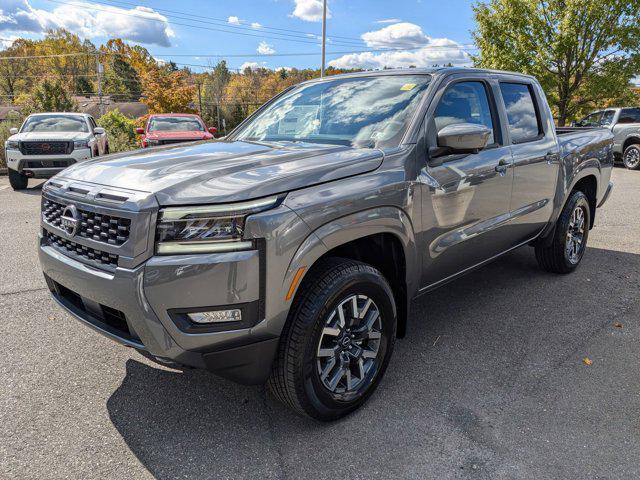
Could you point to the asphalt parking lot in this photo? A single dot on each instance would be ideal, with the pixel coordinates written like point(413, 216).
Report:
point(489, 383)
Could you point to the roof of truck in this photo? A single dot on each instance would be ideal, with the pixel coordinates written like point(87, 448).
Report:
point(421, 71)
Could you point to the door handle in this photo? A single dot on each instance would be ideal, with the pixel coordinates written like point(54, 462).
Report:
point(502, 166)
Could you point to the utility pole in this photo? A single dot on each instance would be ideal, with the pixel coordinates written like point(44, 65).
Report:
point(324, 34)
point(99, 70)
point(199, 99)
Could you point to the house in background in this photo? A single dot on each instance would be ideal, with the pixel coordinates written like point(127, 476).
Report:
point(91, 105)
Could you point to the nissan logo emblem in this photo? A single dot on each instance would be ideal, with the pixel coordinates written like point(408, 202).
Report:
point(70, 220)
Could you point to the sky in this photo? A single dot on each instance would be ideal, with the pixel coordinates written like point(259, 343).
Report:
point(270, 33)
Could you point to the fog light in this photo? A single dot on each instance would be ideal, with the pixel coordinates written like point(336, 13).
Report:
point(216, 316)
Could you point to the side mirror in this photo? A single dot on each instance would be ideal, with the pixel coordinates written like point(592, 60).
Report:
point(99, 131)
point(139, 131)
point(464, 137)
point(13, 131)
point(213, 130)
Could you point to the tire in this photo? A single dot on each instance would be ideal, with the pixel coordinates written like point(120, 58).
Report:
point(631, 157)
point(363, 350)
point(575, 219)
point(17, 180)
point(106, 149)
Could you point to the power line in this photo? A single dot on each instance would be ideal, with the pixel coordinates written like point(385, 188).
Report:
point(226, 22)
point(143, 17)
point(462, 47)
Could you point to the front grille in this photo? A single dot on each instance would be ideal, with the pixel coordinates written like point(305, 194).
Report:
point(167, 142)
point(48, 163)
point(101, 228)
point(82, 251)
point(46, 148)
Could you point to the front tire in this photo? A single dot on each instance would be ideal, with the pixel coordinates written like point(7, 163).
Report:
point(565, 252)
point(17, 180)
point(337, 342)
point(631, 157)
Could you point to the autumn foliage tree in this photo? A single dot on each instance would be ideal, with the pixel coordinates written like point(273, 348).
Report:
point(168, 91)
point(584, 52)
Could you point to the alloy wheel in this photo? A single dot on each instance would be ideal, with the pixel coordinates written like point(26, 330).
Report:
point(632, 158)
point(574, 244)
point(347, 356)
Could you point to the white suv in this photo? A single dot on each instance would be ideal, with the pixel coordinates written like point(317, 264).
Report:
point(47, 143)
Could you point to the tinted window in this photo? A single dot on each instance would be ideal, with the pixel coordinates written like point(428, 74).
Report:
point(630, 115)
point(591, 120)
point(363, 111)
point(607, 117)
point(521, 111)
point(464, 102)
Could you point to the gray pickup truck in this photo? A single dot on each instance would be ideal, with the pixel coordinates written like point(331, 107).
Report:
point(625, 125)
point(289, 252)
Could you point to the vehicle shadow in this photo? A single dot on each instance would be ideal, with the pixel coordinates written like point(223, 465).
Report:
point(32, 190)
point(483, 356)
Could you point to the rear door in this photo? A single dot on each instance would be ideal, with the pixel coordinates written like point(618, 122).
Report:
point(536, 160)
point(466, 198)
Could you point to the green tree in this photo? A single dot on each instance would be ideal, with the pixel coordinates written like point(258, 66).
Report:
point(48, 96)
point(120, 131)
point(584, 52)
point(122, 80)
point(215, 83)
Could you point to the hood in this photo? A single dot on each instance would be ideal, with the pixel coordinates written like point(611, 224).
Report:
point(189, 135)
point(53, 136)
point(219, 171)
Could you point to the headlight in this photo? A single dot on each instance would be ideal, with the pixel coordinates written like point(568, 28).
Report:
point(81, 144)
point(207, 229)
point(12, 145)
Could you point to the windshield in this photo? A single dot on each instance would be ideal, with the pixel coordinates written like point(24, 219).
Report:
point(175, 124)
point(362, 111)
point(55, 123)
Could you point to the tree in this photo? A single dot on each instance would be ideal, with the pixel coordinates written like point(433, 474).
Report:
point(168, 91)
point(215, 83)
point(584, 52)
point(120, 130)
point(122, 81)
point(48, 96)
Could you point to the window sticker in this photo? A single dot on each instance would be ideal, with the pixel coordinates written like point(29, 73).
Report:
point(408, 86)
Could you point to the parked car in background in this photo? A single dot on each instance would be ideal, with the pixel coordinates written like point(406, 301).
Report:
point(47, 143)
point(290, 251)
point(174, 128)
point(625, 125)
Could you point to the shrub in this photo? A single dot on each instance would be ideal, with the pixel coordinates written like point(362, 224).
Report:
point(120, 131)
point(12, 121)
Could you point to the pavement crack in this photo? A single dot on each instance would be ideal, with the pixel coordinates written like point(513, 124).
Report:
point(27, 290)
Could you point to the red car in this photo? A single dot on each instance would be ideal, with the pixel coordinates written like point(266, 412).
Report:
point(162, 129)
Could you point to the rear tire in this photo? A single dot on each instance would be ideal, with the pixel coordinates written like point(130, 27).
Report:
point(631, 157)
point(17, 180)
point(565, 252)
point(329, 363)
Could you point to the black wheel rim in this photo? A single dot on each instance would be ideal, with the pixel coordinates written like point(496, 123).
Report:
point(574, 244)
point(349, 348)
point(632, 157)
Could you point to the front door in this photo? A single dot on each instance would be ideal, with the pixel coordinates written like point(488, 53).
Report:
point(465, 200)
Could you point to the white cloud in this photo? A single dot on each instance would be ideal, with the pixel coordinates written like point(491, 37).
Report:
point(309, 10)
point(439, 51)
point(251, 65)
point(233, 20)
point(398, 35)
point(7, 41)
point(256, 25)
point(265, 49)
point(140, 24)
point(389, 20)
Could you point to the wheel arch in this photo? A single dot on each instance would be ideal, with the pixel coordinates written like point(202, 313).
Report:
point(630, 141)
point(382, 237)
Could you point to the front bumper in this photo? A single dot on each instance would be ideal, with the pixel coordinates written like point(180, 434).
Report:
point(143, 307)
point(44, 166)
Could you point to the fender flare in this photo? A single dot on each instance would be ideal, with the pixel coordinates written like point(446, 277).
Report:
point(339, 231)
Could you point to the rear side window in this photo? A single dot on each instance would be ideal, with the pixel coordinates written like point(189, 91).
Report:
point(465, 102)
point(522, 113)
point(607, 117)
point(629, 115)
